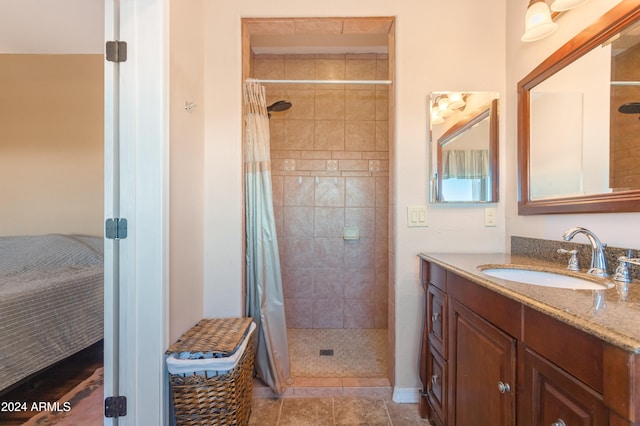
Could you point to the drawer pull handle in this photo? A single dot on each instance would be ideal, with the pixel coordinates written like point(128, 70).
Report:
point(434, 380)
point(435, 316)
point(504, 387)
point(559, 422)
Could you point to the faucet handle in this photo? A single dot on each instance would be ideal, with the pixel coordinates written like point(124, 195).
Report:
point(622, 271)
point(573, 260)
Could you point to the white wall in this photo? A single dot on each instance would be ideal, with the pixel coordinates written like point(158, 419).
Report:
point(430, 56)
point(59, 27)
point(51, 144)
point(619, 229)
point(187, 167)
point(55, 166)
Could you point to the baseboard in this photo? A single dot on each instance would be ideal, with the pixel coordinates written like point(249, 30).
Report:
point(406, 395)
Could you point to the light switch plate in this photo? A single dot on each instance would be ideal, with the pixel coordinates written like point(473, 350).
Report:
point(417, 216)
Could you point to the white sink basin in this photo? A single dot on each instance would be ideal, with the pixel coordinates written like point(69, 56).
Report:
point(543, 278)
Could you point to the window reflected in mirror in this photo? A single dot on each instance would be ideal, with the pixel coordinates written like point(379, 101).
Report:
point(464, 145)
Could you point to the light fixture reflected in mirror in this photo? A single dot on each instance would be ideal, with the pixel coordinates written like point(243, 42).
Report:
point(538, 22)
point(443, 107)
point(456, 100)
point(446, 104)
point(436, 118)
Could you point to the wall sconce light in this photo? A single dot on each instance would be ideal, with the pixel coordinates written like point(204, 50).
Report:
point(539, 21)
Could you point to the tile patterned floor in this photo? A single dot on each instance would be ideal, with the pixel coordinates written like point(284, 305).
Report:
point(348, 388)
point(333, 411)
point(356, 352)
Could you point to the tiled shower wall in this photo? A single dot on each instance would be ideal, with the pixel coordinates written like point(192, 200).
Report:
point(330, 169)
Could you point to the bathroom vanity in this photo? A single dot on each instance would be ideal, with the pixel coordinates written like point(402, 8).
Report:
point(500, 352)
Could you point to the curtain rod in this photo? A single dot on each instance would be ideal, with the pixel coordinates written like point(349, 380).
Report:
point(625, 83)
point(321, 81)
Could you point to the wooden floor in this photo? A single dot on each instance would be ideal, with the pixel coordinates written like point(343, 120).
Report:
point(52, 384)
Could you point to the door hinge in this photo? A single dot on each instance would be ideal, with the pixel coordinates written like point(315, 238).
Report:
point(115, 406)
point(116, 51)
point(115, 229)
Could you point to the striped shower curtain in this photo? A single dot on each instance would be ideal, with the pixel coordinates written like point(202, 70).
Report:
point(265, 299)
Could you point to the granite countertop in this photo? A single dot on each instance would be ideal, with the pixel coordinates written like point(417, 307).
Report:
point(616, 321)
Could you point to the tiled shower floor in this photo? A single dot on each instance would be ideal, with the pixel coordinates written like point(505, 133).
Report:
point(356, 352)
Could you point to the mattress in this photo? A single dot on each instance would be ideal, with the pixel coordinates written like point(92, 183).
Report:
point(51, 301)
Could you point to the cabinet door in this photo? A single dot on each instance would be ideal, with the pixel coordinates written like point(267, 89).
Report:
point(552, 396)
point(437, 388)
point(482, 365)
point(437, 320)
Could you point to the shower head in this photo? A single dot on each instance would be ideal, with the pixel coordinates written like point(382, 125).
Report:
point(279, 106)
point(630, 108)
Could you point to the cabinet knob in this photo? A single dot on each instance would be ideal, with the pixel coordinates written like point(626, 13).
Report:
point(435, 316)
point(504, 387)
point(559, 422)
point(435, 379)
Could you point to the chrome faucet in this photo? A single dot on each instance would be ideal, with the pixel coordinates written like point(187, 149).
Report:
point(598, 260)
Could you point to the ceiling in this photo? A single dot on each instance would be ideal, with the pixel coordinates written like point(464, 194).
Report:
point(319, 35)
point(51, 26)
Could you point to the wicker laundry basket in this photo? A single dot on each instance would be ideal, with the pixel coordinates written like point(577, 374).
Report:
point(215, 397)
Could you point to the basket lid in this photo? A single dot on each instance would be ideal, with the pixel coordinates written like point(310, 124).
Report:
point(220, 336)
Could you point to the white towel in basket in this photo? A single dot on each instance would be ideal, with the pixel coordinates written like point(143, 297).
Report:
point(209, 366)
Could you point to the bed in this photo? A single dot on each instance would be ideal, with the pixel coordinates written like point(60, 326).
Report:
point(51, 301)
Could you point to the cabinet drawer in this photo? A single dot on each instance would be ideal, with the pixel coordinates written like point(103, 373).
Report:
point(552, 396)
point(437, 319)
point(437, 386)
point(575, 351)
point(499, 310)
point(437, 276)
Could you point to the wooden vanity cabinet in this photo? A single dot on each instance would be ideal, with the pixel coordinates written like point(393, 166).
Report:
point(487, 359)
point(468, 364)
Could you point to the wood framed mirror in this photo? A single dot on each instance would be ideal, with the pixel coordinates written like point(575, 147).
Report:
point(565, 112)
point(464, 145)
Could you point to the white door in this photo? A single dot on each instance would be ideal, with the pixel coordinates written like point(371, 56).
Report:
point(136, 189)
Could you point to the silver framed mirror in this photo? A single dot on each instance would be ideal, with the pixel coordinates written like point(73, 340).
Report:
point(463, 141)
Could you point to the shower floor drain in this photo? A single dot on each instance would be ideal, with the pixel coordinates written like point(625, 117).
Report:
point(326, 352)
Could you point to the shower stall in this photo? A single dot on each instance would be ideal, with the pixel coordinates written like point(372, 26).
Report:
point(330, 156)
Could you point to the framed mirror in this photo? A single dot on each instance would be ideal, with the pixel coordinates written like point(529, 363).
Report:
point(578, 122)
point(464, 147)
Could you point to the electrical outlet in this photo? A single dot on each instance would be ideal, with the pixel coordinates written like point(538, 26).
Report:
point(490, 214)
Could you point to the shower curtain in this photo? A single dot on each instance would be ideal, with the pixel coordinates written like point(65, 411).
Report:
point(465, 164)
point(265, 299)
